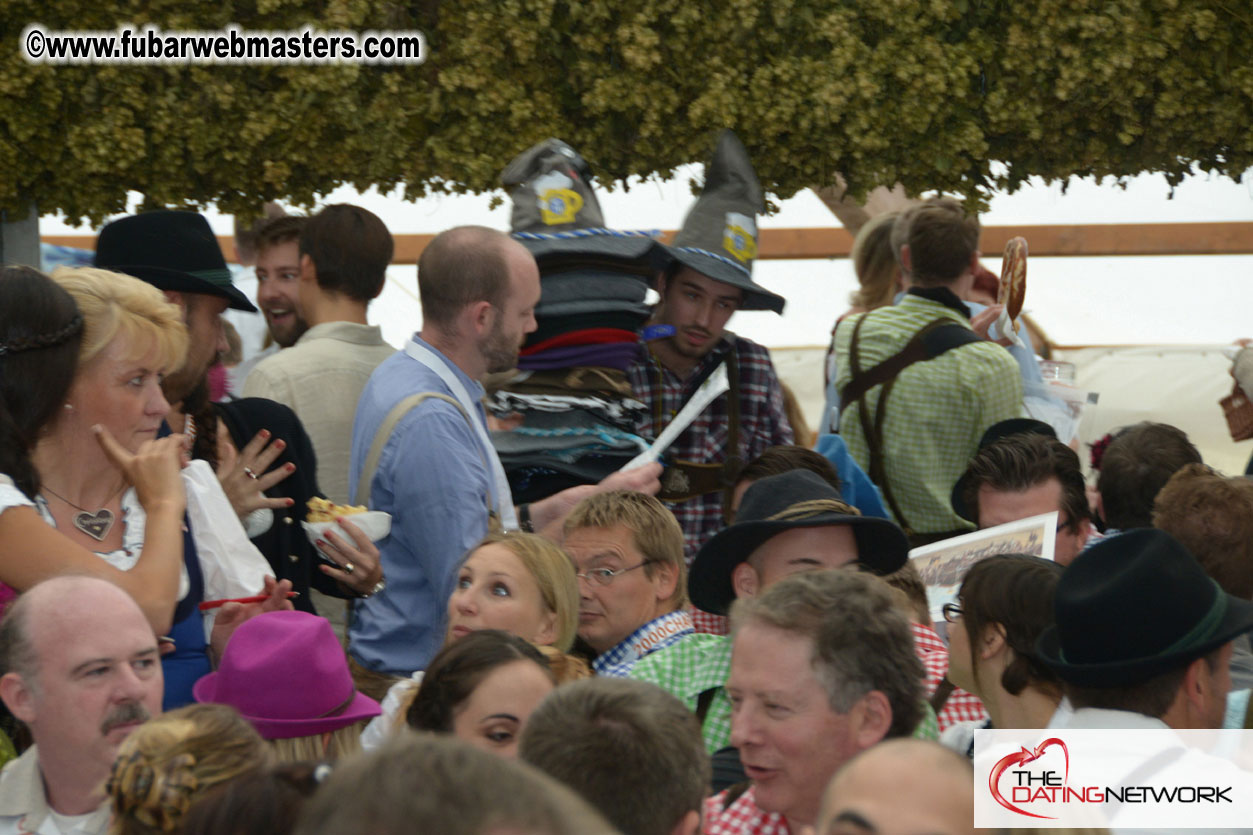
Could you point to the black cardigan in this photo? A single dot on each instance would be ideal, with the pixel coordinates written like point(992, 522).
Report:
point(284, 545)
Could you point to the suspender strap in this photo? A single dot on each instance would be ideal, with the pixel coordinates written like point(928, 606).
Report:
point(703, 700)
point(933, 339)
point(940, 697)
point(385, 432)
point(684, 480)
point(734, 462)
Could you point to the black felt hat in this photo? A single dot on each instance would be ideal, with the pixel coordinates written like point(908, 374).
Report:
point(557, 217)
point(1133, 606)
point(171, 251)
point(881, 545)
point(994, 433)
point(719, 234)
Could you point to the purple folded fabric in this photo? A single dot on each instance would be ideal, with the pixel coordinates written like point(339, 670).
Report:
point(617, 355)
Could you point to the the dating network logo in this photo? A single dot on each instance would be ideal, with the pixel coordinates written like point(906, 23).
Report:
point(1145, 777)
point(1021, 789)
point(1032, 783)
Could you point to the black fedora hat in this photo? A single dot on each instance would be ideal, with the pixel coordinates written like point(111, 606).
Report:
point(881, 545)
point(994, 433)
point(557, 217)
point(1133, 606)
point(719, 234)
point(171, 251)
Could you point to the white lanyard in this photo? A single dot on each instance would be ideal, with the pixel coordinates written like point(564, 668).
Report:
point(502, 499)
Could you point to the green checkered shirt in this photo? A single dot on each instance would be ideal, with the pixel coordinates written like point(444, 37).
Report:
point(701, 662)
point(697, 663)
point(936, 413)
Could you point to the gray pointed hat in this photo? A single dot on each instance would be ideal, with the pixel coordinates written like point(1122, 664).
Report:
point(557, 217)
point(719, 235)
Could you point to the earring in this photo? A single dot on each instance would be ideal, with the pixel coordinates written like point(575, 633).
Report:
point(69, 406)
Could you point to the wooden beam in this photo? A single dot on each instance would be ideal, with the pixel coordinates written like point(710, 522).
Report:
point(1228, 238)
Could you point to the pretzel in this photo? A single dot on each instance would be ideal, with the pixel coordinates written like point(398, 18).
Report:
point(1013, 286)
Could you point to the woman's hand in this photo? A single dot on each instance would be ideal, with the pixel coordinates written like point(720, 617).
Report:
point(154, 469)
point(243, 474)
point(982, 321)
point(231, 615)
point(357, 567)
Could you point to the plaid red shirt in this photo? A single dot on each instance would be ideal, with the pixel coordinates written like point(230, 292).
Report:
point(742, 817)
point(709, 623)
point(961, 706)
point(762, 423)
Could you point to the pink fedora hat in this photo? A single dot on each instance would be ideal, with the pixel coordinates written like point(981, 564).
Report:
point(286, 673)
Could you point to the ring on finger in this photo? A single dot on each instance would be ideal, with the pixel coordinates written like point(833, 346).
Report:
point(248, 472)
point(348, 568)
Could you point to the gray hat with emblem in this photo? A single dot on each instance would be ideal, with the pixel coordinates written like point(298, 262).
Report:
point(719, 234)
point(557, 217)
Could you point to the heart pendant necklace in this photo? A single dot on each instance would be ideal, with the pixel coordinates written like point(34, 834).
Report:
point(96, 525)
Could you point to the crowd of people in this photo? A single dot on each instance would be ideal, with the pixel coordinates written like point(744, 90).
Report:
point(725, 636)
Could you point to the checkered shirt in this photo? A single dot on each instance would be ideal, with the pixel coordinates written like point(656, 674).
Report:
point(658, 633)
point(961, 705)
point(709, 623)
point(742, 817)
point(686, 669)
point(762, 423)
point(700, 662)
point(937, 411)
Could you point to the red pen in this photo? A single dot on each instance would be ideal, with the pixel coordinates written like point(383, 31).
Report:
point(256, 598)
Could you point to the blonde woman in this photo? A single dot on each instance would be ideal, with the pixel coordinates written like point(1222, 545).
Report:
point(520, 583)
point(169, 762)
point(132, 337)
point(46, 407)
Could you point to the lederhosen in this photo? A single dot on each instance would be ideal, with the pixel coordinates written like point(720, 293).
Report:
point(684, 480)
point(934, 339)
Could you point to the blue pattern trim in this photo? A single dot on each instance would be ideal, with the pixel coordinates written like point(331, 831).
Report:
point(591, 232)
point(728, 261)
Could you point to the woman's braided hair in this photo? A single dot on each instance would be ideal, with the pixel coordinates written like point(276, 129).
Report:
point(33, 342)
point(40, 333)
point(170, 761)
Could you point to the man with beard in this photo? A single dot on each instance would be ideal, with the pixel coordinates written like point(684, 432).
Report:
point(420, 448)
point(80, 667)
point(278, 288)
point(344, 253)
point(709, 279)
point(258, 448)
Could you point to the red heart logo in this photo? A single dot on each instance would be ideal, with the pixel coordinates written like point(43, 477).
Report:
point(1023, 757)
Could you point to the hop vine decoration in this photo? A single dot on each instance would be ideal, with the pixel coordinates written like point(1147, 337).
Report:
point(928, 93)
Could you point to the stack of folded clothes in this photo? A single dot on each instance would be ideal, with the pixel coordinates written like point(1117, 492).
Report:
point(575, 413)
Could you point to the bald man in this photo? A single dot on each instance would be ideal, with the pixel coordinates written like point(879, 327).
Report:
point(864, 797)
point(80, 667)
point(420, 448)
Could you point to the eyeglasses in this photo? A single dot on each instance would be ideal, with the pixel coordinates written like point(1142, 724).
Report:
point(605, 576)
point(951, 612)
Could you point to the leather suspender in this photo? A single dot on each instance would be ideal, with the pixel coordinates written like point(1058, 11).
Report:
point(935, 338)
point(685, 480)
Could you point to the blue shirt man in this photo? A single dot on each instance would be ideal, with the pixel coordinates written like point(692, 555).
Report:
point(433, 479)
point(435, 471)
